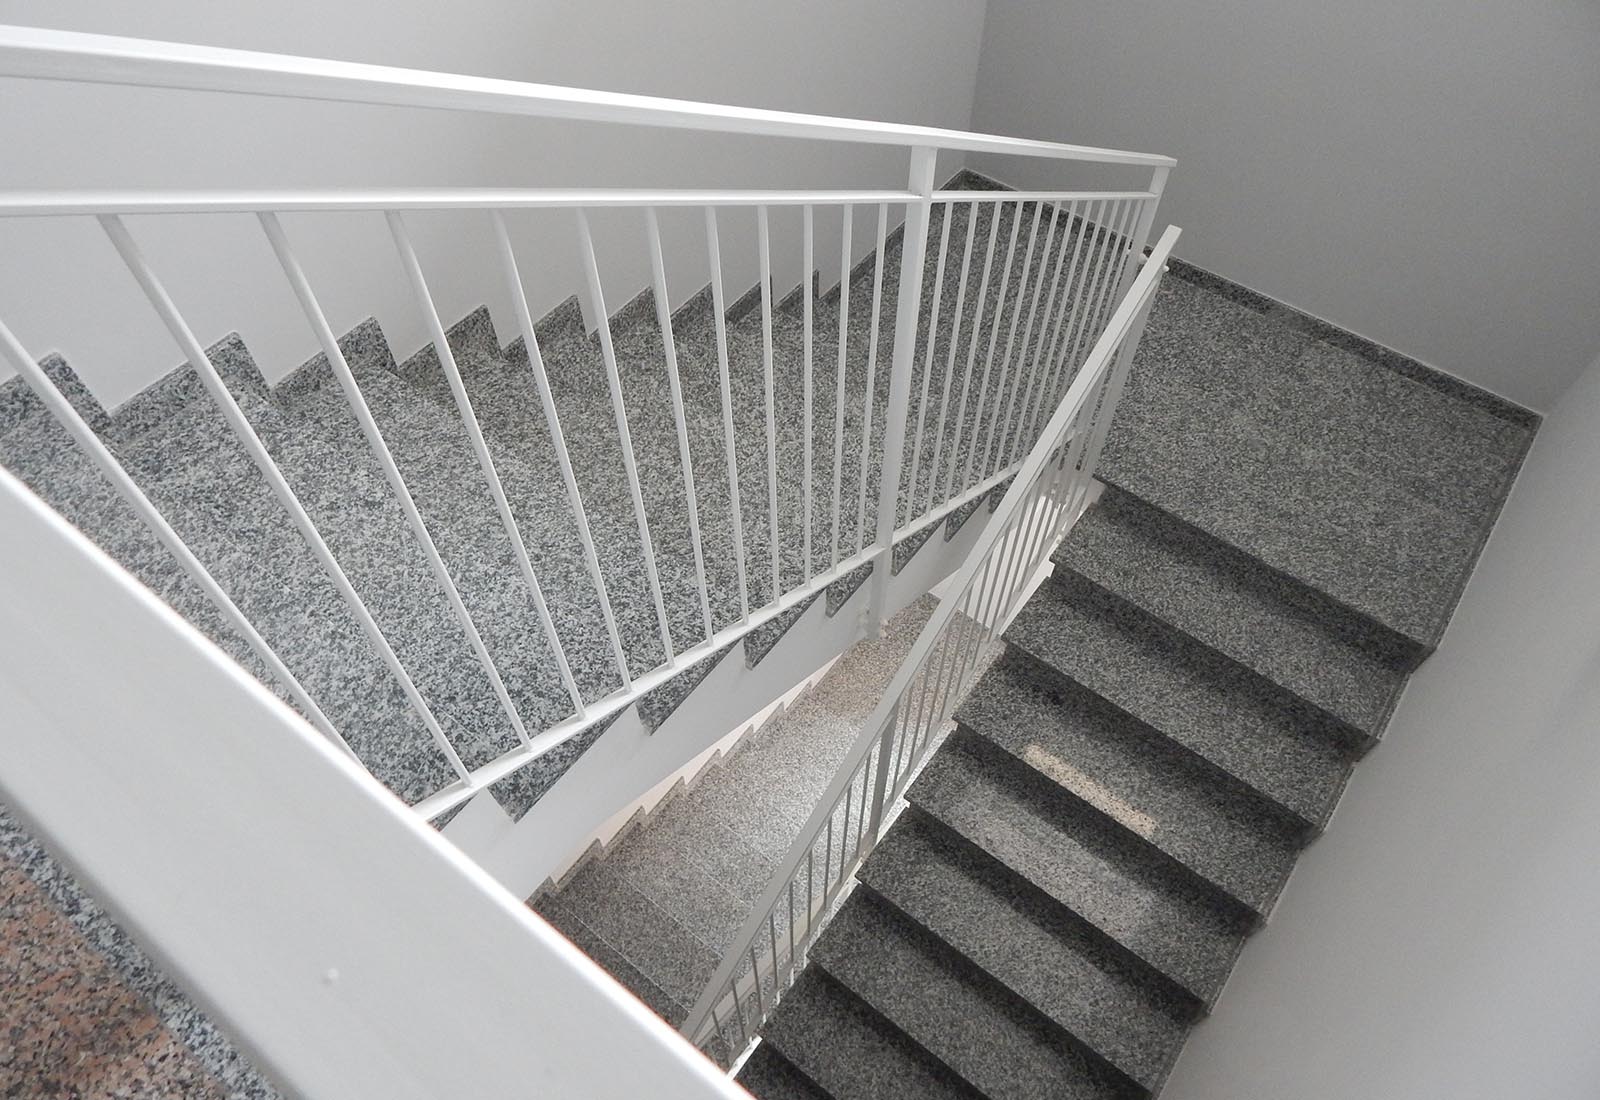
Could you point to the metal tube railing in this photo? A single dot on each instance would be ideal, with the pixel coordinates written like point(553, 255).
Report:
point(1048, 493)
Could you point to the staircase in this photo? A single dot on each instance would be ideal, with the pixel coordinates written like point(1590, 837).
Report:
point(1172, 721)
point(178, 447)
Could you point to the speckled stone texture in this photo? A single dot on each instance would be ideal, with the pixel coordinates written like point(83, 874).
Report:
point(83, 1011)
point(1289, 515)
point(1372, 481)
point(660, 904)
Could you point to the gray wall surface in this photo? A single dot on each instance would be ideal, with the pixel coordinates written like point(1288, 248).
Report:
point(1420, 173)
point(62, 287)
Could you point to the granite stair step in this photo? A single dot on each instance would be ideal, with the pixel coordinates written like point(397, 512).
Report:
point(612, 961)
point(1138, 780)
point(966, 1020)
point(850, 1051)
point(768, 1075)
point(1245, 725)
point(1341, 662)
point(656, 945)
point(173, 441)
point(1134, 897)
point(1040, 953)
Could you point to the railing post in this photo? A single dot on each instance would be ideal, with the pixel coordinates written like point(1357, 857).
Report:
point(908, 307)
point(1141, 231)
point(880, 784)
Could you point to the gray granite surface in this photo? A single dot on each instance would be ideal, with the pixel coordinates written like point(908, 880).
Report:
point(1050, 960)
point(972, 1024)
point(1370, 485)
point(1132, 895)
point(767, 1074)
point(1121, 769)
point(1318, 650)
point(1240, 722)
point(850, 1051)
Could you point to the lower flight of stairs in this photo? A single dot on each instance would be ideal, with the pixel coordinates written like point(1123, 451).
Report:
point(1173, 719)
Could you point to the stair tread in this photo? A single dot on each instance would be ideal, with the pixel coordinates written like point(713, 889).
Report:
point(1050, 961)
point(964, 1019)
point(611, 960)
point(661, 948)
point(850, 1051)
point(768, 1075)
point(1114, 764)
point(1329, 466)
point(1322, 653)
point(1131, 895)
point(1217, 709)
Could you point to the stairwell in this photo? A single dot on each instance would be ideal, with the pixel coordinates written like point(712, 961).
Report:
point(1290, 514)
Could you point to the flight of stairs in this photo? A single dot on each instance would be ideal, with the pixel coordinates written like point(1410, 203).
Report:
point(1288, 519)
point(178, 448)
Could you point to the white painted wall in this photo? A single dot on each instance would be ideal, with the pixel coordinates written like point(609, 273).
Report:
point(61, 286)
point(1441, 939)
point(1421, 173)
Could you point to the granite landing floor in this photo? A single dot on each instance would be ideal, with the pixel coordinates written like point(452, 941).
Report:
point(660, 904)
point(1288, 518)
point(84, 1013)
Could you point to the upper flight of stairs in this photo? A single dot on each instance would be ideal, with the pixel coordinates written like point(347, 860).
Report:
point(179, 449)
point(1288, 518)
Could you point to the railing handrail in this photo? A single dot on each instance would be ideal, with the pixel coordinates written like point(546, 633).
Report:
point(996, 529)
point(110, 59)
point(64, 203)
point(265, 870)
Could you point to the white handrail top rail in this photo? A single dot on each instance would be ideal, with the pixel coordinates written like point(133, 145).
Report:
point(110, 59)
point(350, 949)
point(27, 204)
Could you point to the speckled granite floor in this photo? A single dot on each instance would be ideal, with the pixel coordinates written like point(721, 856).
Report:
point(1290, 514)
point(83, 1012)
point(658, 907)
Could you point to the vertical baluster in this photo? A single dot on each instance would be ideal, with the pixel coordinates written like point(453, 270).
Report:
point(245, 434)
point(755, 976)
point(1088, 331)
point(12, 351)
point(397, 485)
point(844, 834)
point(827, 861)
point(950, 488)
point(908, 304)
point(719, 311)
point(658, 277)
point(608, 353)
point(866, 795)
point(1008, 368)
point(994, 335)
point(927, 361)
point(764, 248)
point(934, 500)
point(808, 267)
point(1064, 311)
point(1067, 363)
point(872, 376)
point(558, 439)
point(1020, 439)
point(777, 967)
point(794, 954)
point(847, 216)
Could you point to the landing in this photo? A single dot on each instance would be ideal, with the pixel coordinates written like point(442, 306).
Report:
point(1340, 463)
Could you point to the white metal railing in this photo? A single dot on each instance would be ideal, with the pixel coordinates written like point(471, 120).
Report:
point(1046, 497)
point(973, 443)
point(957, 403)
